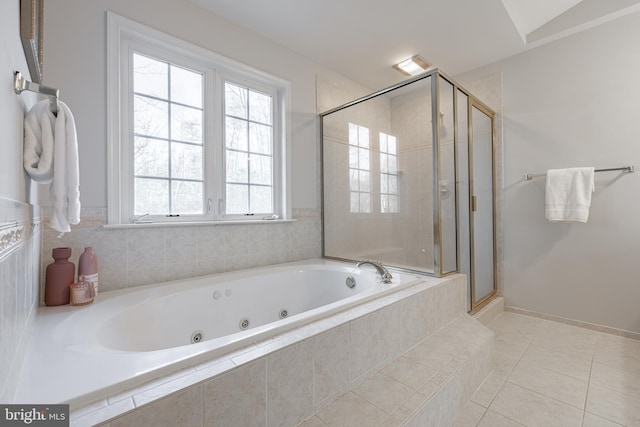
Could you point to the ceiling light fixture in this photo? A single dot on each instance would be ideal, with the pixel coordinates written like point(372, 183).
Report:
point(412, 66)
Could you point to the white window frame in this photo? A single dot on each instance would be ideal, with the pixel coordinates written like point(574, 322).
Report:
point(125, 36)
point(277, 130)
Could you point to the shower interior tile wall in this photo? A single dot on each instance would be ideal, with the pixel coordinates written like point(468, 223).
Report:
point(19, 263)
point(138, 256)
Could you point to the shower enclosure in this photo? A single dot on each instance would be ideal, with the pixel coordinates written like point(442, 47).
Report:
point(408, 181)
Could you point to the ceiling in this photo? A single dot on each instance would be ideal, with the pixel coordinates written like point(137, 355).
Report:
point(362, 39)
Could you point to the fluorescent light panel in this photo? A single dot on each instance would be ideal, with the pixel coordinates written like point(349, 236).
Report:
point(412, 66)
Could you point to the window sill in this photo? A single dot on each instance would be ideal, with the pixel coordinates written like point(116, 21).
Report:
point(198, 223)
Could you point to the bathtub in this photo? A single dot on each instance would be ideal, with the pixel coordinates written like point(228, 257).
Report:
point(80, 354)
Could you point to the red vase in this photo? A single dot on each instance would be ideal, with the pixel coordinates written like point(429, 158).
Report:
point(59, 276)
point(88, 268)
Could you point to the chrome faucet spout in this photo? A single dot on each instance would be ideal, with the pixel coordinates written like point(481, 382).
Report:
point(384, 273)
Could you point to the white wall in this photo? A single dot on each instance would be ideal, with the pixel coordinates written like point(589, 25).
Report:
point(570, 103)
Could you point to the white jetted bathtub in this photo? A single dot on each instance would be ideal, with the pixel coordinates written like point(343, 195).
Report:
point(77, 354)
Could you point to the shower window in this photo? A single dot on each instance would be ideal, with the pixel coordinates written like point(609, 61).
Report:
point(359, 169)
point(388, 174)
point(193, 136)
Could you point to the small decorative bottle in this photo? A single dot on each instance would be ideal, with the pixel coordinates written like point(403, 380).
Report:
point(88, 268)
point(59, 276)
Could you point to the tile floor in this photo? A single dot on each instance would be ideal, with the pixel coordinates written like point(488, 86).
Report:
point(551, 374)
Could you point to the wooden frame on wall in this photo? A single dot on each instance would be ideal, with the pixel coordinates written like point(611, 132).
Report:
point(31, 34)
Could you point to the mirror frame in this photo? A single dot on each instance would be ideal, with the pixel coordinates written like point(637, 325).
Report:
point(31, 34)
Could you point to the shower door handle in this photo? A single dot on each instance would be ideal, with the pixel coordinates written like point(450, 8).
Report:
point(473, 204)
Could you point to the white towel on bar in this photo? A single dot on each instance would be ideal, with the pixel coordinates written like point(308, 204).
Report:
point(568, 194)
point(51, 156)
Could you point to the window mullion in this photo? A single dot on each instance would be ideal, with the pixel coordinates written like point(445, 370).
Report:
point(217, 143)
point(249, 210)
point(169, 109)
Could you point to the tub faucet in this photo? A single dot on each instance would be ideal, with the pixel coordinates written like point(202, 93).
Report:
point(384, 273)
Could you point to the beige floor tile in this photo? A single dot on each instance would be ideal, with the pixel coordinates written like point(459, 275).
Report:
point(351, 410)
point(384, 392)
point(623, 353)
point(409, 372)
point(312, 422)
point(613, 405)
point(493, 419)
point(516, 326)
point(510, 347)
point(557, 361)
point(503, 364)
point(563, 388)
point(396, 419)
point(572, 340)
point(533, 409)
point(591, 420)
point(616, 379)
point(469, 416)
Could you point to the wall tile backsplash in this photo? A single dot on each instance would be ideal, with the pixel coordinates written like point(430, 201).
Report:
point(130, 257)
point(19, 263)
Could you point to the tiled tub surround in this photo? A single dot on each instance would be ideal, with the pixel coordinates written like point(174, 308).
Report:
point(147, 254)
point(427, 385)
point(138, 334)
point(286, 379)
point(19, 264)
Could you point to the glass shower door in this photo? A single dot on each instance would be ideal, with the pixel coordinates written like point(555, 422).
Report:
point(482, 218)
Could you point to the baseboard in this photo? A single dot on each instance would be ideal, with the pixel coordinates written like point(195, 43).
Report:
point(572, 322)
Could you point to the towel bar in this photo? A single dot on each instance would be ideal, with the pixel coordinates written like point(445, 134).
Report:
point(21, 84)
point(626, 169)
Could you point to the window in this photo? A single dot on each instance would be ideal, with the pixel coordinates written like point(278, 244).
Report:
point(359, 169)
point(167, 139)
point(193, 136)
point(248, 151)
point(388, 174)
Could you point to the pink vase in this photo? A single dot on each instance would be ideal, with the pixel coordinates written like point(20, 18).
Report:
point(88, 268)
point(59, 276)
